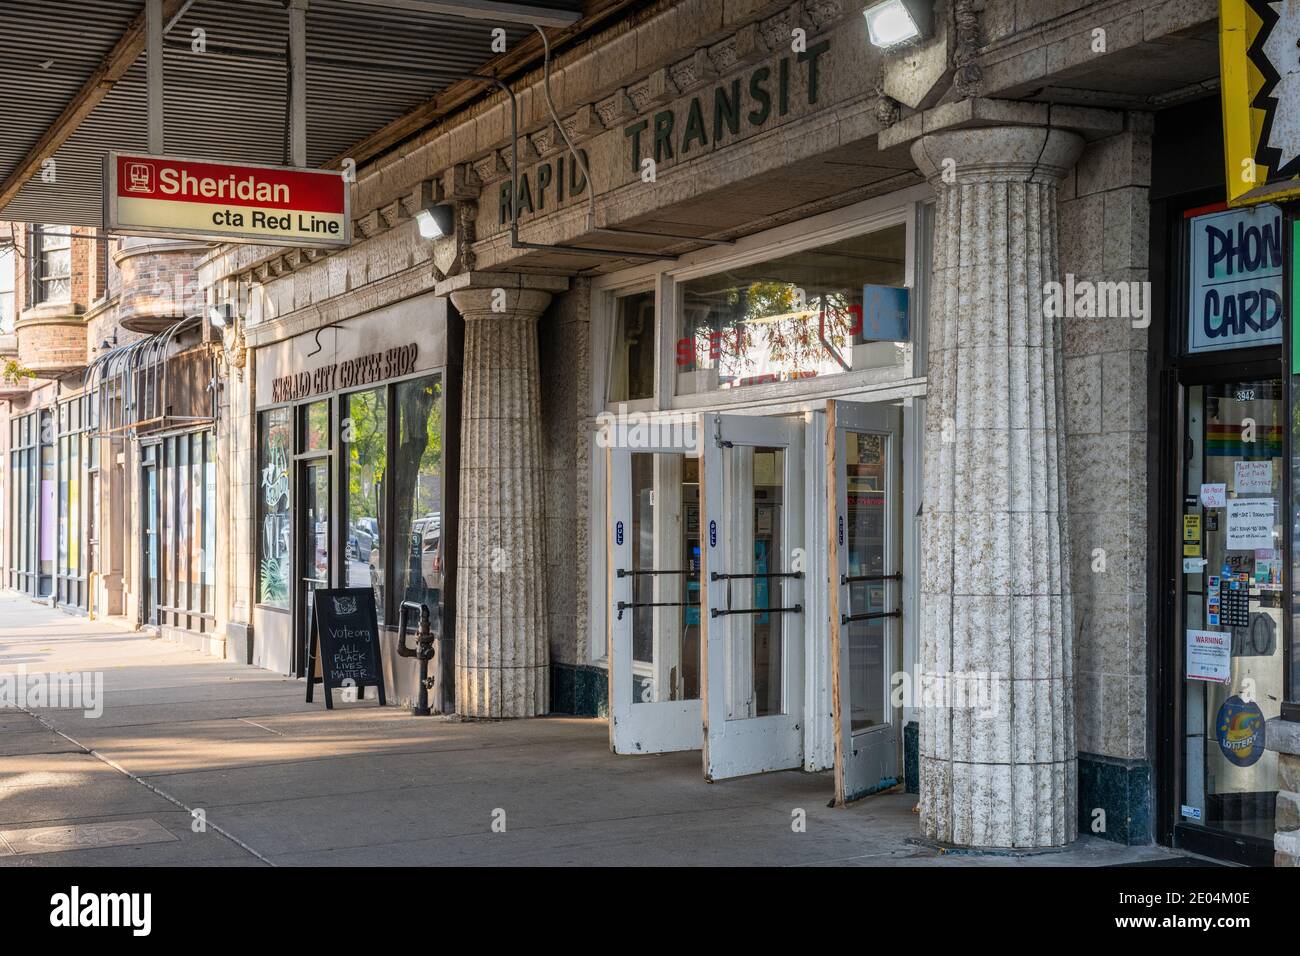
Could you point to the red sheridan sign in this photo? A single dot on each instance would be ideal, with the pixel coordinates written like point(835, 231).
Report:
point(277, 205)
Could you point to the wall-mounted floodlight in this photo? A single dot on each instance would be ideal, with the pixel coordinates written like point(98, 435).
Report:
point(436, 220)
point(217, 315)
point(892, 22)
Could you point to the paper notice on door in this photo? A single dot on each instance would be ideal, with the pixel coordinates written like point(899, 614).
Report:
point(1209, 656)
point(1252, 477)
point(1250, 524)
point(1214, 496)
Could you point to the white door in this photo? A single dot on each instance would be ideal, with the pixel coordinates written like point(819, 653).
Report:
point(753, 508)
point(654, 592)
point(864, 490)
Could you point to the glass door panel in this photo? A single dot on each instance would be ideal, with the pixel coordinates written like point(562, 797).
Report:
point(1232, 552)
point(654, 588)
point(149, 612)
point(753, 520)
point(865, 622)
point(313, 541)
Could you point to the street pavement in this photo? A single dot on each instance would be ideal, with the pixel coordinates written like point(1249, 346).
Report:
point(201, 762)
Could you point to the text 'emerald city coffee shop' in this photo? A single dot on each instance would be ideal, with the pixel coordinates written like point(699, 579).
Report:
point(161, 195)
point(350, 373)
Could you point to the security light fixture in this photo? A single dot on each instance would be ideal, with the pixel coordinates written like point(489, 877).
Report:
point(435, 220)
point(217, 316)
point(892, 22)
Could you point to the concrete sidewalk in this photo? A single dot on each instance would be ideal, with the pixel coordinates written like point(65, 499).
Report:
point(281, 782)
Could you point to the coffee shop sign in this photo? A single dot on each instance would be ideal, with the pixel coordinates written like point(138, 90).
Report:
point(350, 373)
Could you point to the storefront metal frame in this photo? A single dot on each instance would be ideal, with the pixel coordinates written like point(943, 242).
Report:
point(1175, 370)
point(448, 399)
point(912, 207)
point(1290, 709)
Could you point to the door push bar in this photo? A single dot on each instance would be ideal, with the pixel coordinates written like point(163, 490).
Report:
point(715, 576)
point(797, 609)
point(868, 616)
point(625, 573)
point(855, 578)
point(626, 606)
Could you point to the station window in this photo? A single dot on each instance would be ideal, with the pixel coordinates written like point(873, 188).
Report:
point(632, 358)
point(836, 308)
point(365, 436)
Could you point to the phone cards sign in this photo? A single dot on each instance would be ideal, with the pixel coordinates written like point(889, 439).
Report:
point(1235, 299)
point(147, 195)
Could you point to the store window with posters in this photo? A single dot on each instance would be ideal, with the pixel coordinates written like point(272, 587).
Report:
point(1231, 540)
point(1233, 553)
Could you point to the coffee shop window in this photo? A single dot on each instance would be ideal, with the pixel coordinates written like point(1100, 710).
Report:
point(839, 307)
point(364, 429)
point(417, 479)
point(275, 433)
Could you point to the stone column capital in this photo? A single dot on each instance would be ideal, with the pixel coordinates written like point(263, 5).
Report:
point(500, 303)
point(501, 295)
point(1038, 154)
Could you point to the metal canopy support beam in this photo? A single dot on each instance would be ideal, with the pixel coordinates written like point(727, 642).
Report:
point(496, 10)
point(297, 82)
point(154, 66)
point(111, 69)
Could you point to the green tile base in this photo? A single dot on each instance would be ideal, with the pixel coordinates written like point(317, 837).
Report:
point(911, 759)
point(1121, 788)
point(580, 691)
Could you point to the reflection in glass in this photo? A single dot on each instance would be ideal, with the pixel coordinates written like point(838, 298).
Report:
point(316, 426)
point(365, 436)
point(865, 533)
point(274, 448)
point(665, 540)
point(757, 651)
point(796, 317)
point(632, 360)
point(417, 493)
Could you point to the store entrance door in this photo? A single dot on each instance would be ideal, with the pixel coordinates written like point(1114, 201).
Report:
point(863, 496)
point(313, 539)
point(753, 528)
point(149, 539)
point(653, 540)
point(1227, 641)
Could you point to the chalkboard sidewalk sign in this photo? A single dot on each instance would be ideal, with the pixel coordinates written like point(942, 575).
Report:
point(345, 639)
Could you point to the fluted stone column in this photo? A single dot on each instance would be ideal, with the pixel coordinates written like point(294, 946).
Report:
point(997, 769)
point(502, 657)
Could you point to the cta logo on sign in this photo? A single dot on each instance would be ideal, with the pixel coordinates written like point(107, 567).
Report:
point(1235, 299)
point(1240, 730)
point(147, 195)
